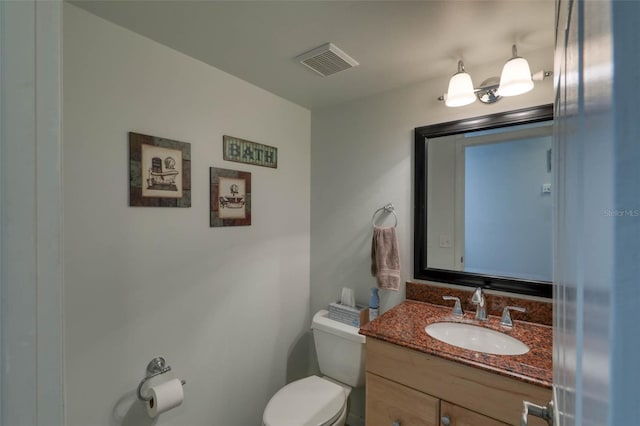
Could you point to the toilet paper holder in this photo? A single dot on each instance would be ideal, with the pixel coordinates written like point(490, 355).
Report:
point(155, 367)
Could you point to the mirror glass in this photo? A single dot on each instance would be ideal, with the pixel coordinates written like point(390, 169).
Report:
point(485, 209)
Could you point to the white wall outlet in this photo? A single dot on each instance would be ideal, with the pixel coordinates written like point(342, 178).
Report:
point(445, 241)
point(546, 188)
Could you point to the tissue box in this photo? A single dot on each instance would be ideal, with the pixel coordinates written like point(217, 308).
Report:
point(356, 317)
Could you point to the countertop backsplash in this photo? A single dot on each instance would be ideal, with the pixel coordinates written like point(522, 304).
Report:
point(536, 311)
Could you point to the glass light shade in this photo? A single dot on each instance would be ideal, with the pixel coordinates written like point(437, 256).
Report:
point(460, 91)
point(515, 78)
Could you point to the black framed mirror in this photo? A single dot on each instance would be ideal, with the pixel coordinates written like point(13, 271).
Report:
point(483, 202)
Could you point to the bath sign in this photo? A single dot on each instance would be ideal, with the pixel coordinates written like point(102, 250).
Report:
point(243, 151)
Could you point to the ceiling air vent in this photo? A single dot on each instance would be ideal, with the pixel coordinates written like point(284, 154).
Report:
point(327, 59)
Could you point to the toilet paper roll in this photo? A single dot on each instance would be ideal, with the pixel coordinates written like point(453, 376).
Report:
point(164, 397)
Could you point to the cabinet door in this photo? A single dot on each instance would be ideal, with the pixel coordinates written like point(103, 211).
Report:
point(389, 402)
point(459, 416)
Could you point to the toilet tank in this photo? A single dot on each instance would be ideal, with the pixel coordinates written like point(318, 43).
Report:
point(340, 349)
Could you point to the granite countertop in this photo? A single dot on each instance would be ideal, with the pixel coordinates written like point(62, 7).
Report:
point(404, 326)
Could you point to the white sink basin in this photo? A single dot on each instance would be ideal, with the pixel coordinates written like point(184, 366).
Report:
point(476, 338)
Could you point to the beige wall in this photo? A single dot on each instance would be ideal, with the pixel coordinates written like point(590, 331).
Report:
point(362, 158)
point(227, 307)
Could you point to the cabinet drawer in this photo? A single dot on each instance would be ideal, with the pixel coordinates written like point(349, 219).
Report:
point(486, 393)
point(389, 402)
point(459, 416)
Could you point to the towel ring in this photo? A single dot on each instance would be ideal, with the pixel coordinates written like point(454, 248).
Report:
point(389, 208)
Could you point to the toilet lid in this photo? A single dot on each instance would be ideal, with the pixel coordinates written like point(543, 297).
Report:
point(311, 401)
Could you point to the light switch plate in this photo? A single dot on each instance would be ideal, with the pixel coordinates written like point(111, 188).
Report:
point(445, 241)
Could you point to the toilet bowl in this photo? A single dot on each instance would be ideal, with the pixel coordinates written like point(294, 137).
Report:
point(312, 401)
point(322, 401)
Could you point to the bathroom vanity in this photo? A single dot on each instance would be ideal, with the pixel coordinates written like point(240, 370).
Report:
point(414, 379)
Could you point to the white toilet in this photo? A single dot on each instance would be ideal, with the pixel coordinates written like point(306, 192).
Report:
point(322, 401)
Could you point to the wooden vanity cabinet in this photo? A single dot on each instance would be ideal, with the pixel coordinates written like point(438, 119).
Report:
point(413, 388)
point(389, 402)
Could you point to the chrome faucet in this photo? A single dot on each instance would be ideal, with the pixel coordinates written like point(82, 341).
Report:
point(479, 300)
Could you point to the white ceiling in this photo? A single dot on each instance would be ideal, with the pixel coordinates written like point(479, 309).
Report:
point(397, 43)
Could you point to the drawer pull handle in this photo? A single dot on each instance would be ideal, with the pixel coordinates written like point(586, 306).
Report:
point(545, 412)
point(445, 421)
point(396, 423)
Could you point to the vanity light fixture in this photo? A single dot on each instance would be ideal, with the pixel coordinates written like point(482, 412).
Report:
point(516, 76)
point(515, 79)
point(460, 91)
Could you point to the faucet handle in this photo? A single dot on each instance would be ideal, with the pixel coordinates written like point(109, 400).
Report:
point(457, 309)
point(506, 316)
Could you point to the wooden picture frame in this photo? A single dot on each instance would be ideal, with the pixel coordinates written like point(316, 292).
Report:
point(230, 197)
point(159, 172)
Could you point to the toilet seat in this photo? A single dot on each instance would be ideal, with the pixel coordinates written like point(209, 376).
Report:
point(311, 401)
